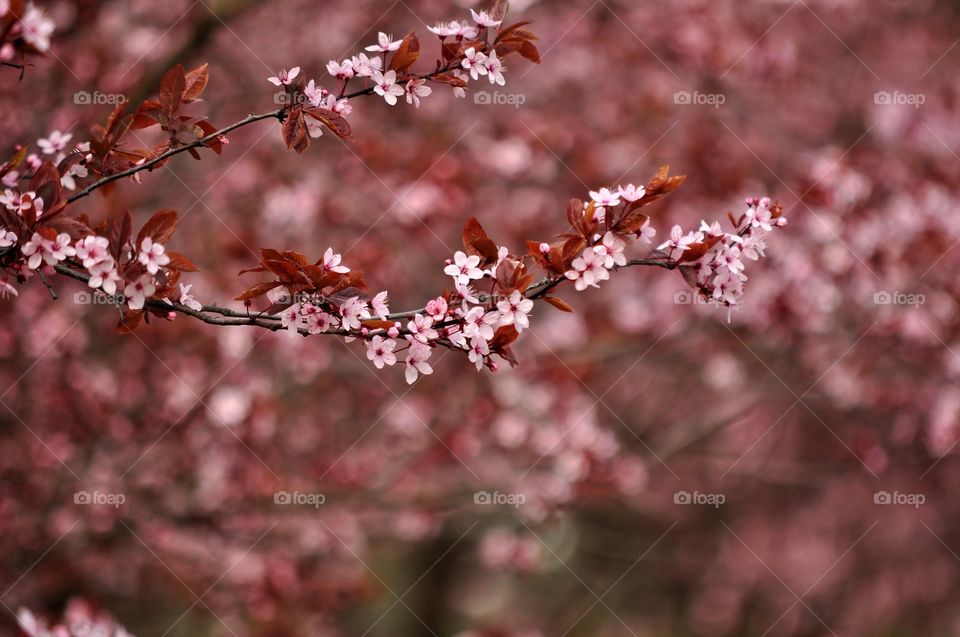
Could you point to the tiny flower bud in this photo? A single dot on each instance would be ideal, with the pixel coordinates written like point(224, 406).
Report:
point(393, 332)
point(544, 248)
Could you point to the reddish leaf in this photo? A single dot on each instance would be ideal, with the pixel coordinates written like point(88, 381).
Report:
point(561, 305)
point(407, 54)
point(195, 82)
point(258, 290)
point(159, 227)
point(180, 262)
point(171, 89)
point(335, 122)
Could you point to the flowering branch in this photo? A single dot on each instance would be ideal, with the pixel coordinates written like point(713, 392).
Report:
point(142, 277)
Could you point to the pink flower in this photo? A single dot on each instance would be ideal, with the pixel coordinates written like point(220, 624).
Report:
point(495, 69)
point(473, 61)
point(415, 90)
point(36, 28)
point(514, 310)
point(380, 351)
point(17, 202)
point(315, 94)
point(103, 275)
point(152, 255)
point(437, 308)
point(460, 92)
point(92, 250)
point(604, 197)
point(7, 238)
point(316, 320)
point(611, 251)
point(479, 322)
point(632, 193)
point(291, 319)
point(385, 44)
point(444, 29)
point(284, 77)
point(379, 306)
point(187, 299)
point(679, 242)
point(49, 252)
point(340, 70)
point(387, 87)
point(588, 270)
point(55, 143)
point(479, 349)
point(331, 262)
point(351, 311)
point(364, 66)
point(421, 329)
point(139, 291)
point(416, 363)
point(484, 19)
point(646, 233)
point(464, 268)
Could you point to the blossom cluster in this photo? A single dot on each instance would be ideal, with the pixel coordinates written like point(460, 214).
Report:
point(79, 620)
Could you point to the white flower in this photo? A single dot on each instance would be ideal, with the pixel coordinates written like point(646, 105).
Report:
point(514, 310)
point(341, 70)
point(380, 351)
point(364, 66)
point(291, 319)
point(7, 238)
point(611, 251)
point(588, 270)
point(387, 87)
point(55, 143)
point(41, 250)
point(479, 322)
point(421, 329)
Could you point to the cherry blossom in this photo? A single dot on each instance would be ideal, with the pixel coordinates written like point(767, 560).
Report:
point(387, 87)
point(137, 292)
point(494, 68)
point(478, 322)
point(611, 250)
point(379, 306)
point(351, 312)
point(416, 89)
point(484, 19)
point(341, 70)
point(41, 250)
point(680, 242)
point(55, 143)
point(631, 193)
point(364, 66)
point(153, 255)
point(285, 77)
point(588, 270)
point(421, 329)
point(187, 299)
point(605, 197)
point(380, 351)
point(7, 238)
point(464, 269)
point(473, 61)
point(479, 350)
point(417, 356)
point(514, 310)
point(385, 44)
point(331, 262)
point(437, 308)
point(36, 28)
